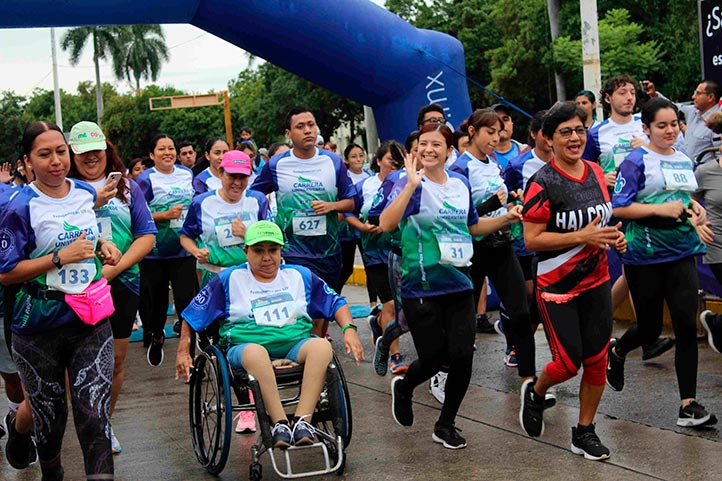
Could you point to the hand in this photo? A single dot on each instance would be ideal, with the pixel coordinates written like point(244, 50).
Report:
point(202, 255)
point(353, 345)
point(372, 229)
point(183, 364)
point(501, 194)
point(671, 209)
point(600, 237)
point(413, 176)
point(238, 228)
point(513, 215)
point(81, 249)
point(697, 213)
point(105, 193)
point(517, 194)
point(610, 178)
point(649, 88)
point(621, 244)
point(5, 175)
point(110, 272)
point(636, 142)
point(109, 253)
point(321, 207)
point(175, 212)
point(704, 232)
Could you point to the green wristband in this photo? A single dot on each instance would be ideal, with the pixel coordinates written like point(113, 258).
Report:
point(349, 326)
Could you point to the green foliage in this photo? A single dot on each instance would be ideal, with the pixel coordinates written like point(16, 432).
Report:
point(11, 125)
point(620, 50)
point(145, 51)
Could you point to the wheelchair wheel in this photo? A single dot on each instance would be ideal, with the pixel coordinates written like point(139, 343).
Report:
point(211, 413)
point(345, 403)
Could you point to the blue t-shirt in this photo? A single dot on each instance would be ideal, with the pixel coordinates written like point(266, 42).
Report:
point(298, 182)
point(162, 191)
point(435, 239)
point(274, 314)
point(375, 248)
point(205, 181)
point(651, 178)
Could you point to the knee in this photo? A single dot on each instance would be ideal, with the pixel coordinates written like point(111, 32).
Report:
point(595, 374)
point(255, 357)
point(560, 371)
point(318, 350)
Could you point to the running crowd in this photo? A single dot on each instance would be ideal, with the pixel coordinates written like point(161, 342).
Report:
point(89, 249)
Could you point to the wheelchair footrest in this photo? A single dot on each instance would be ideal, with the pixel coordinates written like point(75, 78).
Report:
point(289, 474)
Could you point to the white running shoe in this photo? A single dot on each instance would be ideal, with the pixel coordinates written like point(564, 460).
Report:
point(437, 386)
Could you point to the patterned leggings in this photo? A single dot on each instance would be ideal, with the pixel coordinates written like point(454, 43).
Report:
point(86, 352)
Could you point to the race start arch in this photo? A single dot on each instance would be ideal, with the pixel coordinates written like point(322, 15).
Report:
point(352, 47)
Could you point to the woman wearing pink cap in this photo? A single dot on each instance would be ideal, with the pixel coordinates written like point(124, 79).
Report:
point(215, 228)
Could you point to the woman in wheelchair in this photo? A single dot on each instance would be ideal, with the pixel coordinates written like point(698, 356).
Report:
point(265, 312)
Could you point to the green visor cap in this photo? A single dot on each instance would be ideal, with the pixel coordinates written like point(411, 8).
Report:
point(264, 231)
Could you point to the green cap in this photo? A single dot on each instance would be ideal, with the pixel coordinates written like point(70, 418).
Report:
point(86, 136)
point(264, 231)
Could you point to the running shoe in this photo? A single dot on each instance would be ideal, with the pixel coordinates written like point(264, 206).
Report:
point(695, 415)
point(3, 425)
point(303, 433)
point(483, 325)
point(550, 398)
point(531, 411)
point(510, 357)
point(115, 445)
point(711, 323)
point(615, 368)
point(155, 351)
point(401, 408)
point(20, 450)
point(657, 348)
point(499, 327)
point(376, 331)
point(246, 422)
point(381, 358)
point(448, 436)
point(586, 442)
point(398, 364)
point(282, 436)
point(437, 386)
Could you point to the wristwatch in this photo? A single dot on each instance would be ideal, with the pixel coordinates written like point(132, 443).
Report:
point(56, 260)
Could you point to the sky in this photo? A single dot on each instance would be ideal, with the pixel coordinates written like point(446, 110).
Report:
point(199, 62)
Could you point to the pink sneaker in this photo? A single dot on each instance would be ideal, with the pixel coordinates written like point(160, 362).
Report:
point(246, 422)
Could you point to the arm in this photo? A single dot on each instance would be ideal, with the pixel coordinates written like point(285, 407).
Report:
point(636, 210)
point(140, 247)
point(487, 225)
point(394, 212)
point(367, 228)
point(537, 238)
point(323, 207)
point(350, 336)
point(190, 246)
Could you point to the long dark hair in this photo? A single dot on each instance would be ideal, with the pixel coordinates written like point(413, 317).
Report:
point(112, 164)
point(398, 154)
point(33, 130)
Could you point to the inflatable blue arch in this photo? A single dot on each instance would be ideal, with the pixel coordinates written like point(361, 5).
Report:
point(351, 47)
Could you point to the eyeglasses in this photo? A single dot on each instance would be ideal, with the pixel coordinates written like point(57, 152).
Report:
point(434, 120)
point(698, 92)
point(566, 132)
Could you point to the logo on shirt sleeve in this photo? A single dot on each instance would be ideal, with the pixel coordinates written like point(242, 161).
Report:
point(7, 240)
point(620, 183)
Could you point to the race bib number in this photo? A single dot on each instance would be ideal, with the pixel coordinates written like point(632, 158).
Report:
point(678, 176)
point(224, 233)
point(276, 310)
point(178, 223)
point(456, 249)
point(71, 278)
point(308, 223)
point(105, 228)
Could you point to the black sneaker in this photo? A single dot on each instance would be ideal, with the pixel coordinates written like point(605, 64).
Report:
point(694, 415)
point(282, 436)
point(448, 436)
point(657, 348)
point(155, 351)
point(381, 358)
point(376, 331)
point(483, 325)
point(550, 399)
point(713, 326)
point(615, 368)
point(586, 442)
point(401, 408)
point(531, 411)
point(20, 450)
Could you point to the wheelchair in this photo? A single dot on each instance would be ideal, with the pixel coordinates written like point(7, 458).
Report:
point(213, 385)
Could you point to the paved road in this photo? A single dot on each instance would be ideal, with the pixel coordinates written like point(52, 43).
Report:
point(637, 424)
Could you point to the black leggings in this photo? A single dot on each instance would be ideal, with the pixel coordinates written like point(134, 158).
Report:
point(443, 329)
point(717, 271)
point(677, 283)
point(504, 271)
point(348, 256)
point(155, 274)
point(87, 353)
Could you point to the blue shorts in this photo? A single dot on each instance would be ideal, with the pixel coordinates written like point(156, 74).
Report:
point(235, 353)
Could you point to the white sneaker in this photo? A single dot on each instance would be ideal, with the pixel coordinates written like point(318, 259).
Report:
point(437, 386)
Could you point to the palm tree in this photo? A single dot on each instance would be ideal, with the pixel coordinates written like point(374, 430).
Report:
point(145, 51)
point(106, 43)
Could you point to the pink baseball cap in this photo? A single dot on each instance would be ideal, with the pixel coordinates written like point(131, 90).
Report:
point(236, 162)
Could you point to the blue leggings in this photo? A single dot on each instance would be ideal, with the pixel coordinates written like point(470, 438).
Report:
point(87, 353)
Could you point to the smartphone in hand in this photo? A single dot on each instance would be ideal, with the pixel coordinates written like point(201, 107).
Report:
point(113, 178)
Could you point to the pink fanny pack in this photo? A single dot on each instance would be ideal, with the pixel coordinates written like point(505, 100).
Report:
point(93, 304)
